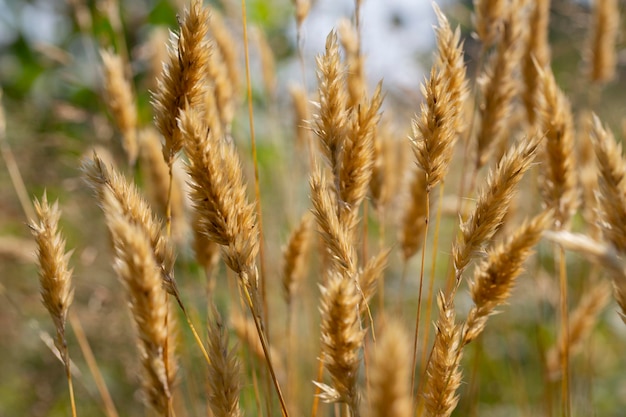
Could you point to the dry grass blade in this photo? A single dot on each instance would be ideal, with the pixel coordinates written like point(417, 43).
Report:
point(612, 192)
point(55, 277)
point(414, 220)
point(302, 114)
point(224, 371)
point(294, 257)
point(138, 269)
point(369, 277)
point(560, 185)
point(206, 250)
point(219, 195)
point(356, 82)
point(493, 202)
point(604, 32)
point(135, 209)
point(336, 235)
point(443, 372)
point(342, 340)
point(450, 62)
point(181, 82)
point(536, 54)
point(489, 16)
point(390, 373)
point(120, 101)
point(330, 121)
point(434, 130)
point(495, 276)
point(220, 83)
point(227, 45)
point(358, 157)
point(499, 86)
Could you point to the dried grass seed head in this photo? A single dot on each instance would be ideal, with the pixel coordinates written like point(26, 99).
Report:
point(181, 83)
point(55, 275)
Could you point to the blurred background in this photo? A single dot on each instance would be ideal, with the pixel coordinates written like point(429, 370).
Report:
point(55, 114)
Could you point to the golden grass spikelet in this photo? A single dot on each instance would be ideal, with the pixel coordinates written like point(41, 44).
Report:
point(612, 191)
point(227, 45)
point(493, 202)
point(489, 17)
point(342, 339)
point(433, 135)
point(450, 61)
point(390, 374)
point(355, 80)
point(499, 86)
point(589, 173)
point(434, 130)
point(157, 176)
point(536, 53)
point(330, 121)
point(604, 32)
point(294, 257)
point(224, 371)
point(206, 250)
point(131, 205)
point(55, 276)
point(302, 113)
point(559, 189)
point(369, 277)
point(157, 52)
point(212, 115)
point(387, 162)
point(443, 375)
point(495, 276)
point(139, 271)
point(219, 194)
point(180, 84)
point(414, 220)
point(120, 101)
point(217, 75)
point(581, 322)
point(358, 157)
point(336, 235)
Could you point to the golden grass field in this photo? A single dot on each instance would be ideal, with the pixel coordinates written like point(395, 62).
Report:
point(193, 237)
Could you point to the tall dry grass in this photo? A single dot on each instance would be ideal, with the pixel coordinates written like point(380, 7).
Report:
point(203, 242)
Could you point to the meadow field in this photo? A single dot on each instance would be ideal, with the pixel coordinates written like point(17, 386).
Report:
point(307, 208)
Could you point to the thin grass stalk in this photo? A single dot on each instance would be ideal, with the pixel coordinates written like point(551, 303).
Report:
point(565, 383)
point(431, 282)
point(257, 185)
point(12, 167)
point(419, 293)
point(92, 364)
